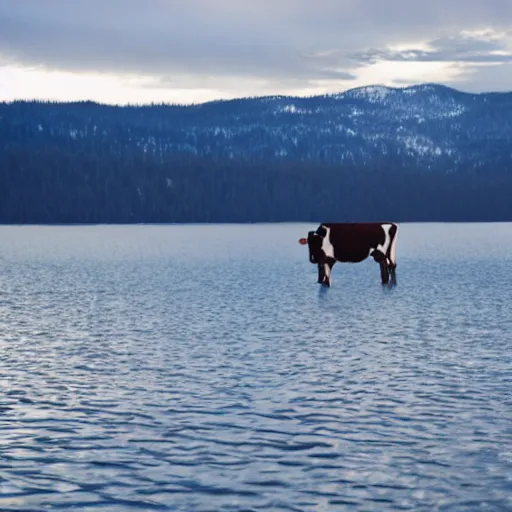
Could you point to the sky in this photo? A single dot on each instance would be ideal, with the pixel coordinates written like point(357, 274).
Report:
point(192, 51)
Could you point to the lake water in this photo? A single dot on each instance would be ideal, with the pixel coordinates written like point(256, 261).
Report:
point(201, 368)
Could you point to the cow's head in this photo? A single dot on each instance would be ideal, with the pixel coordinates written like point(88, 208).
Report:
point(315, 241)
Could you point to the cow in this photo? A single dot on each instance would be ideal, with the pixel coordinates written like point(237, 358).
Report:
point(352, 243)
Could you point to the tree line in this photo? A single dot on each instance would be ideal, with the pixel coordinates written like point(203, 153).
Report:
point(73, 185)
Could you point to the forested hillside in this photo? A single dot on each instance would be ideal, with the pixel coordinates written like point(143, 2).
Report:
point(425, 153)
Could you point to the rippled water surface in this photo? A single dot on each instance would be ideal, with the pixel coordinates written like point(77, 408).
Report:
point(201, 368)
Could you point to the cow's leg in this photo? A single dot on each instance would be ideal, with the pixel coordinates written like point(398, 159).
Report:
point(384, 272)
point(392, 272)
point(324, 271)
point(321, 272)
point(327, 271)
point(391, 253)
point(381, 259)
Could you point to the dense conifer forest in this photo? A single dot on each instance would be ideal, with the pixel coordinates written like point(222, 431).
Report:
point(416, 154)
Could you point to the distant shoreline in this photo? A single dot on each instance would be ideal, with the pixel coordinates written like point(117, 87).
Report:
point(256, 223)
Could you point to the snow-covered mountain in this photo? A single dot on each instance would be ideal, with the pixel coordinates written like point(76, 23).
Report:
point(418, 153)
point(427, 126)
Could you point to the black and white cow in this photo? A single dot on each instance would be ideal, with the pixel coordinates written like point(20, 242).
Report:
point(352, 243)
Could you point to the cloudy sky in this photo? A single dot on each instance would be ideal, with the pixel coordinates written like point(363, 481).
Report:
point(182, 51)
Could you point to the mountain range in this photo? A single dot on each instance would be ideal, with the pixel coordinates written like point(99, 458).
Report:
point(427, 128)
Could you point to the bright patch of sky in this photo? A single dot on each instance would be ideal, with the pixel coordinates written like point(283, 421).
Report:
point(189, 51)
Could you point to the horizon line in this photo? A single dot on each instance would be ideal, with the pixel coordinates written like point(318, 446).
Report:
point(246, 98)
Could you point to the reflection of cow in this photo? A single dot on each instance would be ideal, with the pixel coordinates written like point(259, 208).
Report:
point(352, 243)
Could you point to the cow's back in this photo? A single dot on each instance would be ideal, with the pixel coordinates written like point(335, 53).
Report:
point(352, 241)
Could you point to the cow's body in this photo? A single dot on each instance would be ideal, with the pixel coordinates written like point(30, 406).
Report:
point(352, 243)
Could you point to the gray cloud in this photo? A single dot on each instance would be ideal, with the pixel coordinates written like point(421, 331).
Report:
point(206, 42)
point(476, 49)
